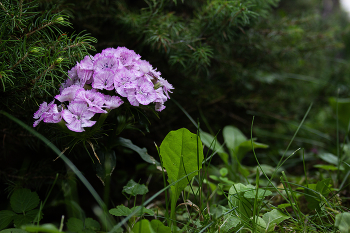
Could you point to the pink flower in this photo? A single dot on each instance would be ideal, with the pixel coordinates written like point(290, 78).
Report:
point(40, 114)
point(104, 80)
point(68, 94)
point(78, 116)
point(145, 93)
point(112, 102)
point(105, 62)
point(94, 99)
point(124, 81)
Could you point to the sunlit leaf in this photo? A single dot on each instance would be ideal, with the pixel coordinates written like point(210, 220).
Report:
point(272, 218)
point(182, 153)
point(143, 226)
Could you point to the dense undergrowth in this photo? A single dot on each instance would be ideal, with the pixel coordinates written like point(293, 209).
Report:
point(254, 136)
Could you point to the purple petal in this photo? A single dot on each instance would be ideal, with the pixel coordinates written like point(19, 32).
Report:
point(76, 126)
point(104, 80)
point(68, 94)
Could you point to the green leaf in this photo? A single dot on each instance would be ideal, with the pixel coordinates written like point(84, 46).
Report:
point(92, 224)
point(272, 218)
point(50, 228)
point(329, 158)
point(261, 193)
point(21, 219)
point(182, 153)
point(158, 227)
point(246, 146)
point(34, 214)
point(122, 210)
point(261, 224)
point(229, 223)
point(141, 151)
point(223, 171)
point(329, 167)
point(134, 188)
point(342, 221)
point(75, 225)
point(142, 211)
point(143, 226)
point(209, 141)
point(233, 137)
point(314, 199)
point(23, 200)
point(13, 230)
point(6, 217)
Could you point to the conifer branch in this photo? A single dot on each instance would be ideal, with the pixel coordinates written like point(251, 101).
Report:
point(19, 61)
point(43, 73)
point(38, 29)
point(2, 6)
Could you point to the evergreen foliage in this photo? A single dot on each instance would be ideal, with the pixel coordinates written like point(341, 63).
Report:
point(35, 52)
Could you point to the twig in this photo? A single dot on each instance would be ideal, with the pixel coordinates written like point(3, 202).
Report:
point(19, 61)
point(38, 29)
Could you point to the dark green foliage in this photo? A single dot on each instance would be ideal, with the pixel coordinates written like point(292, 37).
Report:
point(35, 52)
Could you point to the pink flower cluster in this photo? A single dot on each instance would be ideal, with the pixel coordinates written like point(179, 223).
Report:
point(102, 82)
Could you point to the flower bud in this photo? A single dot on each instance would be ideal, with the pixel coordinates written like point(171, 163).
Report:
point(60, 19)
point(36, 50)
point(59, 60)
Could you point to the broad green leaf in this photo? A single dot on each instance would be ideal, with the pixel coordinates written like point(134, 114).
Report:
point(6, 217)
point(343, 109)
point(134, 188)
point(233, 137)
point(50, 228)
point(272, 218)
point(141, 151)
point(143, 226)
point(329, 158)
point(106, 167)
point(223, 171)
point(182, 153)
point(158, 227)
point(209, 141)
point(20, 219)
point(75, 225)
point(92, 224)
point(229, 223)
point(23, 200)
point(261, 224)
point(261, 193)
point(315, 198)
point(14, 230)
point(242, 149)
point(34, 214)
point(237, 200)
point(342, 221)
point(122, 210)
point(239, 187)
